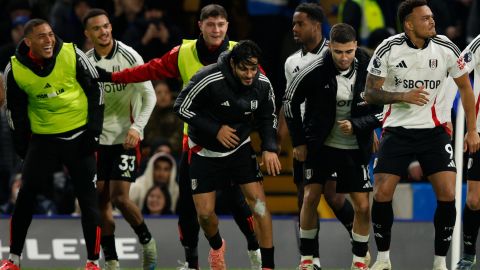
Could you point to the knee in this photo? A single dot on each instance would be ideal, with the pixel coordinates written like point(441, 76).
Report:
point(362, 208)
point(120, 201)
point(334, 200)
point(259, 208)
point(205, 217)
point(311, 199)
point(383, 193)
point(473, 201)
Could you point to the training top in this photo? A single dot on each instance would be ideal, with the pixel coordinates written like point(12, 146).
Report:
point(406, 67)
point(300, 60)
point(470, 60)
point(126, 105)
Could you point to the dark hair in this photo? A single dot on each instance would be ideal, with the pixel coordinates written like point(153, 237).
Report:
point(342, 33)
point(164, 158)
point(244, 50)
point(168, 200)
point(32, 24)
point(94, 12)
point(213, 10)
point(406, 8)
point(314, 11)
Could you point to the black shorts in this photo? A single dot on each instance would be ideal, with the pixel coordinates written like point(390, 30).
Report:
point(116, 163)
point(399, 146)
point(208, 173)
point(345, 165)
point(298, 173)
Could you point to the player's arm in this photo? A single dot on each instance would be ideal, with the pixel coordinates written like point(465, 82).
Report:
point(472, 139)
point(146, 97)
point(374, 93)
point(16, 110)
point(192, 100)
point(87, 77)
point(155, 69)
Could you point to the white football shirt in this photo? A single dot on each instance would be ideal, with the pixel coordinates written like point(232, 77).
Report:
point(406, 67)
point(126, 105)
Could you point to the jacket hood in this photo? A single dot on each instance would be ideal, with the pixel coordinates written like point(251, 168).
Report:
point(145, 181)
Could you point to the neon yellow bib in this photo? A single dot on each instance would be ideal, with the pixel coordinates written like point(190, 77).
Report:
point(57, 102)
point(189, 63)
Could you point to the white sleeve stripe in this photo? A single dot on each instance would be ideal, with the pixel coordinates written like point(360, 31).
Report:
point(127, 55)
point(7, 70)
point(271, 95)
point(195, 90)
point(88, 65)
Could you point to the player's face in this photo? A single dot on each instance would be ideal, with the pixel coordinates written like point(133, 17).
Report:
point(41, 41)
point(245, 71)
point(343, 54)
point(304, 29)
point(214, 30)
point(422, 22)
point(99, 31)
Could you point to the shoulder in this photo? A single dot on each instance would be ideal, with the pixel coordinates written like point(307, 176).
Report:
point(446, 44)
point(128, 53)
point(90, 54)
point(389, 43)
point(475, 44)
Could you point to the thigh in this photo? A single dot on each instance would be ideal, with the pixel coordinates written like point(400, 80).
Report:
point(116, 163)
point(473, 167)
point(352, 174)
point(318, 167)
point(437, 153)
point(40, 162)
point(206, 173)
point(242, 166)
point(82, 167)
point(395, 154)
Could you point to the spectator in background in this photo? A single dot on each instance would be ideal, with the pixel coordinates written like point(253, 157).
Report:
point(15, 184)
point(163, 123)
point(16, 34)
point(126, 13)
point(157, 202)
point(14, 9)
point(154, 34)
point(473, 25)
point(66, 19)
point(161, 170)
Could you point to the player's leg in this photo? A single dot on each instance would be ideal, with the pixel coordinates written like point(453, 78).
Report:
point(205, 174)
point(341, 207)
point(39, 161)
point(82, 169)
point(188, 226)
point(245, 222)
point(122, 174)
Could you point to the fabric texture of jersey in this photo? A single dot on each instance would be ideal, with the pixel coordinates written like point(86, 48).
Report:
point(300, 60)
point(123, 102)
point(470, 60)
point(406, 67)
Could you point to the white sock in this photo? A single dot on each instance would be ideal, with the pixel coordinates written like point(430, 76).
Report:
point(14, 258)
point(358, 259)
point(308, 234)
point(316, 261)
point(440, 260)
point(93, 261)
point(383, 255)
point(360, 238)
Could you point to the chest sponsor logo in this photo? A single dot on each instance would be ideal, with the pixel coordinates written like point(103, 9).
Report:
point(411, 84)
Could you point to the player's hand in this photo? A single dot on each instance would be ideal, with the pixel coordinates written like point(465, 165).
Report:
point(416, 96)
point(472, 142)
point(227, 137)
point(300, 152)
point(270, 160)
point(345, 126)
point(132, 139)
point(103, 75)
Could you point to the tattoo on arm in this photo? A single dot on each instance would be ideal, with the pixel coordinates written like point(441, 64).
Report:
point(374, 93)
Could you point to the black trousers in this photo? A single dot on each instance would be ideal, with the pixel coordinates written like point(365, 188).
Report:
point(43, 156)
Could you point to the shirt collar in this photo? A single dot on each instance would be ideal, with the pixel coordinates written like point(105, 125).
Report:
point(109, 56)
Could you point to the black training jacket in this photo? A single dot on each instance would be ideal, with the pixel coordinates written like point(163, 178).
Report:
point(214, 97)
point(317, 86)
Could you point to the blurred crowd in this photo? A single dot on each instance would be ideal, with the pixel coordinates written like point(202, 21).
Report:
point(153, 27)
